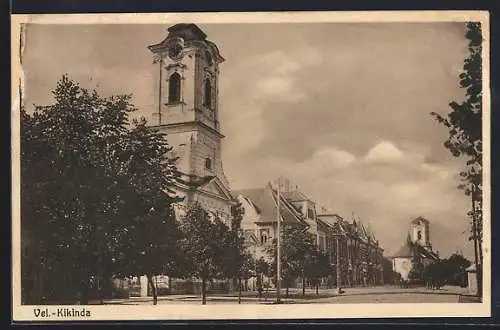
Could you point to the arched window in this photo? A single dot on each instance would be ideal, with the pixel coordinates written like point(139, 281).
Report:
point(174, 88)
point(207, 99)
point(208, 163)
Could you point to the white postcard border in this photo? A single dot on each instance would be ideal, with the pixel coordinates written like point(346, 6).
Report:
point(213, 312)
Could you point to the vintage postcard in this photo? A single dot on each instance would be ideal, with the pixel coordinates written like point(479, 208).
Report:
point(287, 165)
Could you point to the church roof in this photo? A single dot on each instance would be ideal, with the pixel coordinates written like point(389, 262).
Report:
point(407, 250)
point(187, 31)
point(419, 220)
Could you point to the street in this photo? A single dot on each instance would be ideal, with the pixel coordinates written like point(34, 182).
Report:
point(380, 294)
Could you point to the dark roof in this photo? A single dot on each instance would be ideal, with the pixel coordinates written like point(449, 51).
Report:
point(406, 251)
point(330, 219)
point(420, 220)
point(264, 202)
point(323, 225)
point(187, 31)
point(426, 253)
point(295, 196)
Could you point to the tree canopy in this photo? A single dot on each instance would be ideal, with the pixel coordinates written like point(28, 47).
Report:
point(96, 191)
point(205, 245)
point(464, 124)
point(296, 245)
point(464, 121)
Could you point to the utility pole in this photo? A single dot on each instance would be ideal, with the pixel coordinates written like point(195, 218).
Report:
point(477, 245)
point(278, 250)
point(337, 266)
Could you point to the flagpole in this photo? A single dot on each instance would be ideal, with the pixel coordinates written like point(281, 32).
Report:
point(278, 258)
point(160, 90)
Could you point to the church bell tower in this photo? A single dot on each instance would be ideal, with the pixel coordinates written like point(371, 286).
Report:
point(420, 232)
point(187, 110)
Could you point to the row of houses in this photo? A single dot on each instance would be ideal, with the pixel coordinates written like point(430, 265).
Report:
point(351, 246)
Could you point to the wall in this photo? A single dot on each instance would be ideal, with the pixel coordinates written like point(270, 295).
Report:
point(471, 282)
point(402, 266)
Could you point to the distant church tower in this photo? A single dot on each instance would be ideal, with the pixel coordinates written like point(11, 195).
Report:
point(187, 110)
point(420, 232)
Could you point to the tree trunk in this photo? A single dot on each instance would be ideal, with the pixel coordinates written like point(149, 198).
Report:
point(317, 287)
point(84, 292)
point(203, 291)
point(101, 294)
point(303, 286)
point(153, 289)
point(239, 290)
point(286, 295)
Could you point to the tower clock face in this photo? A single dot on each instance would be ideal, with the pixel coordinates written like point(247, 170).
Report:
point(175, 51)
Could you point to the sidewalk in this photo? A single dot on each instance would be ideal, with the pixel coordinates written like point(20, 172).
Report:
point(295, 295)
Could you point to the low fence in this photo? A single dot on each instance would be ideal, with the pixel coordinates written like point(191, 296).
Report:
point(132, 288)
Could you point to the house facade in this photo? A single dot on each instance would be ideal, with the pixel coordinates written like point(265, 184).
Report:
point(353, 251)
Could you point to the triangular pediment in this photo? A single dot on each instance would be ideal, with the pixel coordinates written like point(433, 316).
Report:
point(216, 187)
point(250, 238)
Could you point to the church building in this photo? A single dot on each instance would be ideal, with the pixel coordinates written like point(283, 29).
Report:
point(417, 248)
point(187, 110)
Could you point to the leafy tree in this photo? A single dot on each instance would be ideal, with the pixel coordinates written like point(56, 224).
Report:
point(416, 273)
point(456, 266)
point(204, 245)
point(464, 124)
point(450, 271)
point(148, 243)
point(246, 270)
point(296, 244)
point(78, 186)
point(262, 269)
point(66, 182)
point(389, 275)
point(237, 263)
point(433, 275)
point(317, 266)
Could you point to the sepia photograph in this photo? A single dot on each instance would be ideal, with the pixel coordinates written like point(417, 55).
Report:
point(314, 164)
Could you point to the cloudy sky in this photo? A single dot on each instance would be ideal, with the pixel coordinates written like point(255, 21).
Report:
point(341, 109)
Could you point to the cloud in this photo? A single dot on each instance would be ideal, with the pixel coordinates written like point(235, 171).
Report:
point(388, 190)
point(342, 109)
point(384, 152)
point(274, 85)
point(324, 162)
